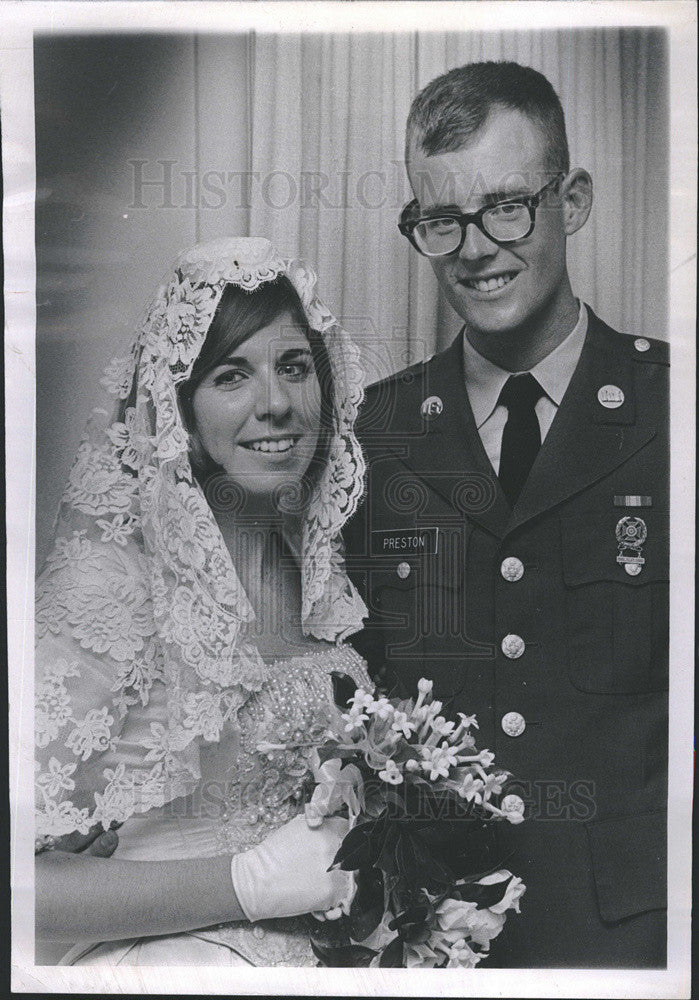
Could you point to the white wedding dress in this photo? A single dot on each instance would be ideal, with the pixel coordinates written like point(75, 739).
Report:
point(151, 696)
point(244, 793)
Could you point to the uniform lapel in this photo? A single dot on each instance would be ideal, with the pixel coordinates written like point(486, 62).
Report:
point(448, 455)
point(586, 440)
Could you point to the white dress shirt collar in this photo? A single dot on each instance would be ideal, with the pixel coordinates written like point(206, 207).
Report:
point(485, 380)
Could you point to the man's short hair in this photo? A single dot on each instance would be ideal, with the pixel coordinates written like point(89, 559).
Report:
point(454, 107)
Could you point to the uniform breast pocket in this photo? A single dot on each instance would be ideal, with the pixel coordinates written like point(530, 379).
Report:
point(414, 607)
point(617, 621)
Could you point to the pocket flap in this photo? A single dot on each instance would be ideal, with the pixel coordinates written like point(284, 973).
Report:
point(629, 861)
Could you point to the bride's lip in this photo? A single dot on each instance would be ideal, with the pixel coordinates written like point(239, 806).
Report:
point(280, 444)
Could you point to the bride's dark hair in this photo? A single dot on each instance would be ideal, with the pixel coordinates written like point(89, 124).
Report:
point(239, 315)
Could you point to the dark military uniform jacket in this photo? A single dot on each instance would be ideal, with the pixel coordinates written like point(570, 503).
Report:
point(549, 622)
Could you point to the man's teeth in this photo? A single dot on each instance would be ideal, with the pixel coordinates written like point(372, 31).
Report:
point(491, 284)
point(281, 444)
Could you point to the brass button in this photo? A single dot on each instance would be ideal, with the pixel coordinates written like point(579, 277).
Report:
point(641, 344)
point(513, 724)
point(512, 569)
point(512, 646)
point(512, 803)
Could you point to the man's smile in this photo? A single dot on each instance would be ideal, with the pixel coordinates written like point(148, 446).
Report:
point(489, 285)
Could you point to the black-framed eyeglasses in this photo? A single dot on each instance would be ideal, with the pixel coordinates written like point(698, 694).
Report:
point(503, 222)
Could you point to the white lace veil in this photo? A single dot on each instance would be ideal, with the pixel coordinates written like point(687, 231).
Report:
point(140, 651)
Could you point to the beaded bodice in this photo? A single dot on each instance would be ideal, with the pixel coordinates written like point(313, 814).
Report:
point(261, 766)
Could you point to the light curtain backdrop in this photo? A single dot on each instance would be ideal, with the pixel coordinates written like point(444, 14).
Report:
point(147, 144)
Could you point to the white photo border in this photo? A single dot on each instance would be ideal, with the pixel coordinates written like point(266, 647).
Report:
point(16, 97)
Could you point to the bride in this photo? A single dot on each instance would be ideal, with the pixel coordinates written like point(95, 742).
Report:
point(191, 612)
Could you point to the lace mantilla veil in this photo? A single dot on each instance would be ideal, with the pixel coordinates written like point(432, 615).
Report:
point(140, 652)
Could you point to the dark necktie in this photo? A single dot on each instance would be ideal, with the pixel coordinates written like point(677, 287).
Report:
point(521, 438)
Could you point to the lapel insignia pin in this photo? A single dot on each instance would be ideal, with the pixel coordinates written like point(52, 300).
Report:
point(610, 396)
point(431, 407)
point(631, 533)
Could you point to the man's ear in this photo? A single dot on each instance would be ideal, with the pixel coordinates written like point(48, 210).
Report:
point(576, 191)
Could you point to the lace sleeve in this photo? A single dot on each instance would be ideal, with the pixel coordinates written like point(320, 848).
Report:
point(108, 743)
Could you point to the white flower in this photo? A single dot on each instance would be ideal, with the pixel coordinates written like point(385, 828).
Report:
point(467, 721)
point(421, 956)
point(424, 690)
point(492, 783)
point(355, 719)
point(412, 765)
point(461, 956)
point(455, 914)
point(486, 925)
point(441, 726)
point(362, 699)
point(382, 708)
point(402, 724)
point(434, 762)
point(513, 893)
point(391, 773)
point(471, 789)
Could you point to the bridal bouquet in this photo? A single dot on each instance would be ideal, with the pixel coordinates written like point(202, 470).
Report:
point(421, 802)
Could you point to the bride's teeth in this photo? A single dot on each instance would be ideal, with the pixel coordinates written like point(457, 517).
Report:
point(283, 445)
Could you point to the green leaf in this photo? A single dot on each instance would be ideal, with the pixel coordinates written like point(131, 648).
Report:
point(483, 896)
point(358, 849)
point(367, 907)
point(386, 860)
point(334, 751)
point(392, 955)
point(415, 915)
point(345, 957)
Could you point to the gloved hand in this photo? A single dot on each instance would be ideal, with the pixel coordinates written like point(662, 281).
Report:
point(287, 875)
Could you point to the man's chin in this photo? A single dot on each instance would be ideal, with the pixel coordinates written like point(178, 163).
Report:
point(489, 319)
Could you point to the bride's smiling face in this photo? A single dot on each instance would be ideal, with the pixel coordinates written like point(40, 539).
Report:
point(257, 413)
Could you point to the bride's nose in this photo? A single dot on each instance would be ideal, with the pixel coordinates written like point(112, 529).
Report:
point(273, 401)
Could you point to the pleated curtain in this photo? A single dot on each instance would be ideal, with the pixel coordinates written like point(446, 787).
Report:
point(327, 131)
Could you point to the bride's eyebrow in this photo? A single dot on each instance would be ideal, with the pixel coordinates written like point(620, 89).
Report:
point(295, 352)
point(288, 355)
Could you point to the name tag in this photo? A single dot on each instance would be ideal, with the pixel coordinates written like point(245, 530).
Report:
point(419, 541)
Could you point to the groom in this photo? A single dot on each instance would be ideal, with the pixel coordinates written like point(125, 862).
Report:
point(513, 545)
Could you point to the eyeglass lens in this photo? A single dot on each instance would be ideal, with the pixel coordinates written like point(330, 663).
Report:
point(507, 221)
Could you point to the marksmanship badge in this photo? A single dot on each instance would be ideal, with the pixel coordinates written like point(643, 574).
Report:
point(631, 533)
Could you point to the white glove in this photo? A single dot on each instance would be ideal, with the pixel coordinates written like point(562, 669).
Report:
point(287, 874)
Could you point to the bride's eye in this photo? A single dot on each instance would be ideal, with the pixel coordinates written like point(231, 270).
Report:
point(295, 371)
point(230, 378)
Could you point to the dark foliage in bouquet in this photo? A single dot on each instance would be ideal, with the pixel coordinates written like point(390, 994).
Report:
point(422, 801)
